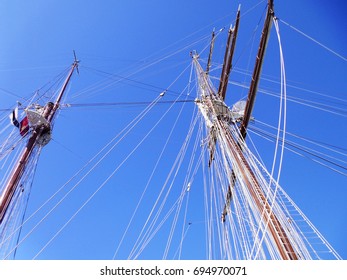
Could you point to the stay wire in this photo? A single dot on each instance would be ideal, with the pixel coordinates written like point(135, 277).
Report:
point(314, 40)
point(97, 190)
point(148, 182)
point(132, 124)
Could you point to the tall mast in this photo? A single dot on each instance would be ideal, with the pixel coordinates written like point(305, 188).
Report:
point(217, 119)
point(229, 52)
point(224, 78)
point(257, 69)
point(253, 87)
point(275, 228)
point(210, 54)
point(38, 132)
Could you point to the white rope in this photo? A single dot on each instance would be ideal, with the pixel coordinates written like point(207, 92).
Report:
point(282, 101)
point(173, 174)
point(338, 109)
point(178, 161)
point(273, 80)
point(129, 127)
point(151, 232)
point(301, 154)
point(16, 210)
point(147, 184)
point(186, 184)
point(314, 40)
point(104, 183)
point(150, 178)
point(329, 154)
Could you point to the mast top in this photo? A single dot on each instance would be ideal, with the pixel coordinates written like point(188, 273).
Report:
point(76, 61)
point(257, 69)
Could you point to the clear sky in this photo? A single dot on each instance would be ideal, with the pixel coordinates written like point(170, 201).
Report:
point(148, 43)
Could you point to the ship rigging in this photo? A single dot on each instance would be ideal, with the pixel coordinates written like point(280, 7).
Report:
point(248, 215)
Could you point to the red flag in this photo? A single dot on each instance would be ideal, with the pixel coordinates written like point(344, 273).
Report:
point(24, 126)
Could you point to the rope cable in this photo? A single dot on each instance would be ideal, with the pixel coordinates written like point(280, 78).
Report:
point(314, 40)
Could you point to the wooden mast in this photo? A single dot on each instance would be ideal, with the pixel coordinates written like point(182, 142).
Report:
point(49, 112)
point(246, 174)
point(253, 87)
point(229, 52)
point(276, 230)
point(210, 54)
point(220, 127)
point(257, 69)
point(224, 78)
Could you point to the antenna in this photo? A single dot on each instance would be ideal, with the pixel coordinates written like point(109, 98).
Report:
point(76, 61)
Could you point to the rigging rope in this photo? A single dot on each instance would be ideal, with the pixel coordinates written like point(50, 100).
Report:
point(306, 150)
point(176, 166)
point(149, 180)
point(126, 130)
point(283, 95)
point(315, 105)
point(327, 146)
point(144, 138)
point(314, 40)
point(100, 187)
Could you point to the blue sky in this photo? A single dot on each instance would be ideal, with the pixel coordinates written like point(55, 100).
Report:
point(129, 39)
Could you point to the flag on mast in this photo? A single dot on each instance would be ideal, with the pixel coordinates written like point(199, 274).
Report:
point(23, 125)
point(14, 117)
